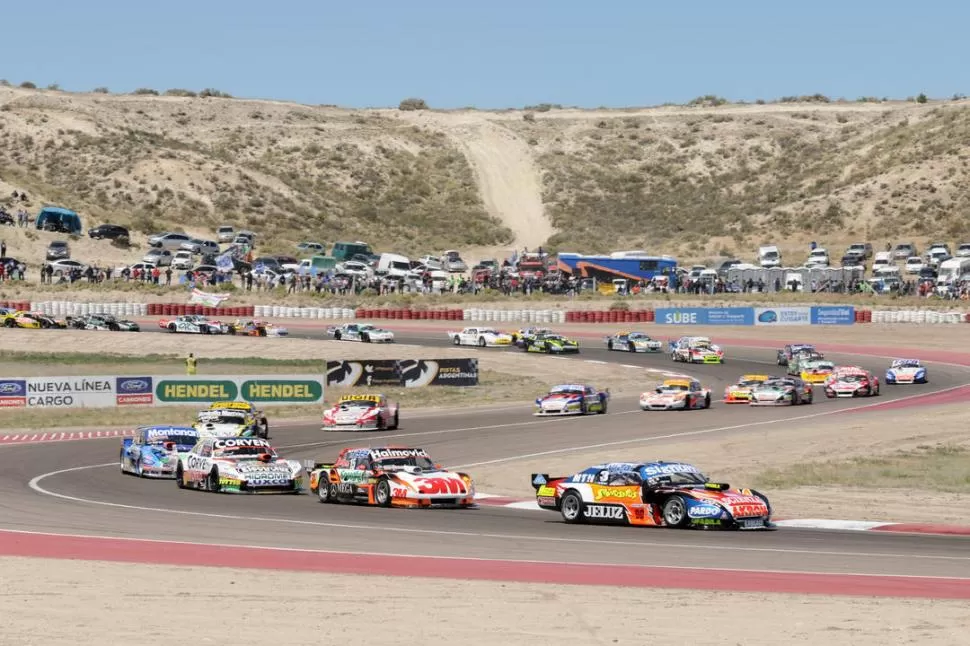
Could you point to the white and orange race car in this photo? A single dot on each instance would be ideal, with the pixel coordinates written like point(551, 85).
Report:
point(369, 412)
point(390, 477)
point(740, 392)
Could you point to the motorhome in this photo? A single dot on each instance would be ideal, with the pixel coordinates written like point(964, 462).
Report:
point(951, 270)
point(769, 256)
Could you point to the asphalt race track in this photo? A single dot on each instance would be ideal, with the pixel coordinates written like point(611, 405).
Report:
point(76, 487)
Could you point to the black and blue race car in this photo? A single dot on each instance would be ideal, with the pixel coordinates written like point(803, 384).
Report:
point(153, 450)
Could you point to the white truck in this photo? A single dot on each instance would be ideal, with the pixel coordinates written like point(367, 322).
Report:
point(769, 256)
point(393, 265)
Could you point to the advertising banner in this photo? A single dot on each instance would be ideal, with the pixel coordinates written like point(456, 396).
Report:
point(407, 373)
point(782, 316)
point(70, 392)
point(833, 315)
point(705, 316)
point(261, 390)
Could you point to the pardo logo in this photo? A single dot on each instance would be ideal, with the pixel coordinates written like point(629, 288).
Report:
point(617, 492)
point(681, 317)
point(607, 512)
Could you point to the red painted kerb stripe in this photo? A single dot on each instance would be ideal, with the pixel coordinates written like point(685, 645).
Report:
point(193, 554)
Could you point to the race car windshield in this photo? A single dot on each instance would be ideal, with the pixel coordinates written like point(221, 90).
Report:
point(679, 478)
point(906, 364)
point(181, 440)
point(243, 451)
point(852, 378)
point(674, 388)
point(422, 462)
point(750, 382)
point(226, 418)
point(362, 403)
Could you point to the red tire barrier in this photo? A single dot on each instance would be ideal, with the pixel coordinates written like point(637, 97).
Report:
point(868, 314)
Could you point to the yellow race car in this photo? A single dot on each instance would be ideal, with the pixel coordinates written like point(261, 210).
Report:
point(18, 318)
point(816, 372)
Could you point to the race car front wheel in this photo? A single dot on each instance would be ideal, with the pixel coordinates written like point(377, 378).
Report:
point(382, 493)
point(323, 491)
point(675, 512)
point(571, 507)
point(397, 421)
point(212, 482)
point(179, 477)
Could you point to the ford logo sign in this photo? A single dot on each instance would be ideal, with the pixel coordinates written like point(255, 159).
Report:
point(129, 385)
point(10, 388)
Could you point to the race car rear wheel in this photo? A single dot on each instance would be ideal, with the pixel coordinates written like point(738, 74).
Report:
point(212, 481)
point(456, 340)
point(397, 421)
point(323, 491)
point(179, 477)
point(707, 400)
point(609, 345)
point(171, 327)
point(675, 512)
point(382, 493)
point(571, 507)
point(481, 342)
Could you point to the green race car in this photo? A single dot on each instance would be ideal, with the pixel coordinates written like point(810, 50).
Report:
point(551, 344)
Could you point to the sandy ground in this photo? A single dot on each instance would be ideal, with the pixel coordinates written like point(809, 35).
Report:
point(738, 457)
point(78, 603)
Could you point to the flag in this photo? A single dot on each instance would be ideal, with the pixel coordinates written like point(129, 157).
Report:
point(224, 262)
point(207, 298)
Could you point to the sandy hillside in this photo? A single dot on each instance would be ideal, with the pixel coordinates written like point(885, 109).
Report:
point(693, 180)
point(82, 602)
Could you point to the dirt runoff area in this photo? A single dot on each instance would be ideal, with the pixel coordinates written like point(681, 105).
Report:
point(83, 603)
point(741, 457)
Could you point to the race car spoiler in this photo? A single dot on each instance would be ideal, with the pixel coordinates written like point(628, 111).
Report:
point(312, 465)
point(540, 480)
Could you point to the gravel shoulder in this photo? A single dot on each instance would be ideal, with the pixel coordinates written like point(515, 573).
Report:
point(80, 603)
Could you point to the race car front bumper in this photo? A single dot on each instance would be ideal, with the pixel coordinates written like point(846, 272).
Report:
point(771, 402)
point(677, 405)
point(369, 425)
point(541, 412)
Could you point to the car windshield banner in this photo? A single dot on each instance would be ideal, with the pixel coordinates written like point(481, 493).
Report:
point(705, 316)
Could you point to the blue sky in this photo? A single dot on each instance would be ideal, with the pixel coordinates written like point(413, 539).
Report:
point(494, 54)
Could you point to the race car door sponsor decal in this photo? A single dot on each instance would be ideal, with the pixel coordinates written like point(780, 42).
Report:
point(604, 512)
point(440, 485)
point(13, 393)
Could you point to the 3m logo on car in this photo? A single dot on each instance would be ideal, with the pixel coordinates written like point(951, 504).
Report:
point(605, 512)
point(430, 486)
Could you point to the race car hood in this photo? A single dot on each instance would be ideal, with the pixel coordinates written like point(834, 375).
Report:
point(665, 396)
point(906, 372)
point(445, 482)
point(558, 399)
point(737, 503)
point(218, 429)
point(768, 394)
point(351, 414)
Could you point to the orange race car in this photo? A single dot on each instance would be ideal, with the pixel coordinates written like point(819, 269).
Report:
point(740, 392)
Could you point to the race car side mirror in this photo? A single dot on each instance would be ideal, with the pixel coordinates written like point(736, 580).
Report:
point(169, 446)
point(265, 457)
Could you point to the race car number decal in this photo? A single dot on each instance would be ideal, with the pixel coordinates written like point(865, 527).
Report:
point(439, 485)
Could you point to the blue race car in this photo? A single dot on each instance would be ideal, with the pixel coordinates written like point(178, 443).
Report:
point(153, 451)
point(906, 371)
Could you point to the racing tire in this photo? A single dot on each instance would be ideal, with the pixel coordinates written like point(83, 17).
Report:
point(44, 325)
point(212, 480)
point(631, 348)
point(10, 323)
point(397, 421)
point(113, 327)
point(323, 492)
point(675, 512)
point(481, 342)
point(261, 331)
point(571, 507)
point(602, 410)
point(171, 327)
point(609, 345)
point(336, 335)
point(456, 340)
point(381, 424)
point(180, 477)
point(707, 400)
point(382, 493)
point(365, 338)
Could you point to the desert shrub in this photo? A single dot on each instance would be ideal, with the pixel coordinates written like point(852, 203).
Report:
point(921, 98)
point(100, 90)
point(54, 86)
point(413, 104)
point(219, 94)
point(179, 92)
point(29, 85)
point(146, 91)
point(619, 306)
point(543, 107)
point(708, 99)
point(529, 116)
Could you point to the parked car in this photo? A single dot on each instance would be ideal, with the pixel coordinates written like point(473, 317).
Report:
point(431, 262)
point(853, 259)
point(246, 238)
point(863, 249)
point(312, 247)
point(452, 262)
point(200, 246)
point(109, 232)
point(225, 233)
point(963, 251)
point(65, 266)
point(904, 250)
point(267, 262)
point(182, 260)
point(58, 249)
point(159, 257)
point(6, 218)
point(819, 257)
point(914, 264)
point(169, 241)
point(883, 259)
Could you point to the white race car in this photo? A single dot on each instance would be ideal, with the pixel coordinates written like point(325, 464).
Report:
point(676, 394)
point(193, 324)
point(906, 371)
point(364, 332)
point(361, 413)
point(483, 337)
point(633, 342)
point(696, 349)
point(238, 465)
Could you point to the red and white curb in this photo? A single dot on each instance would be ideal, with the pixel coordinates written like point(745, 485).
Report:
point(797, 523)
point(58, 436)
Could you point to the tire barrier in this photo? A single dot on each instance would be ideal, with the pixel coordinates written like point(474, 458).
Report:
point(515, 316)
point(919, 317)
point(610, 316)
point(408, 314)
point(179, 309)
point(17, 305)
point(72, 308)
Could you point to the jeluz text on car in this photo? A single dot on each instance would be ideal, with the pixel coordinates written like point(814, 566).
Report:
point(238, 465)
point(152, 452)
point(676, 394)
point(572, 399)
point(651, 493)
point(390, 477)
point(365, 412)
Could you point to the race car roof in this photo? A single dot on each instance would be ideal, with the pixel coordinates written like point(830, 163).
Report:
point(246, 406)
point(677, 382)
point(907, 363)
